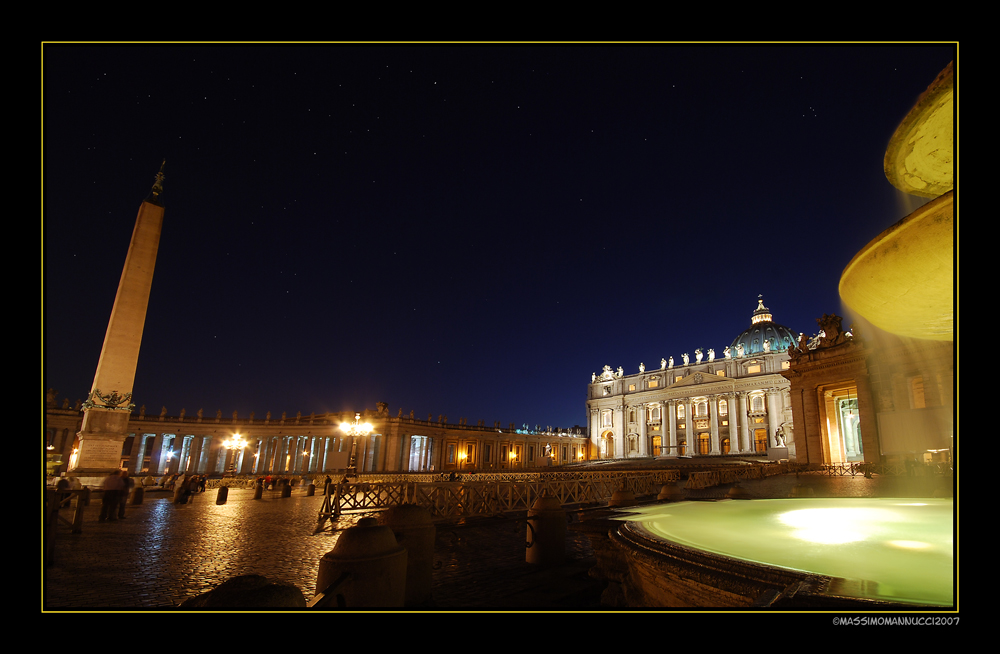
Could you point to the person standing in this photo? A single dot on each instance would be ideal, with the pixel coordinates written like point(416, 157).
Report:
point(113, 487)
point(127, 484)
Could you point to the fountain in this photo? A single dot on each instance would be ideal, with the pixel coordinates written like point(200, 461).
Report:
point(903, 281)
point(825, 551)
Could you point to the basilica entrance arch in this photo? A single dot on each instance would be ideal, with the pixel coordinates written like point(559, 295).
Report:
point(607, 445)
point(704, 443)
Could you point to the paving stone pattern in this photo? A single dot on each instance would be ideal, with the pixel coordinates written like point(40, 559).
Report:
point(163, 553)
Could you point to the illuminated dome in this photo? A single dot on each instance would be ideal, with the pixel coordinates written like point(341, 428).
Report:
point(763, 328)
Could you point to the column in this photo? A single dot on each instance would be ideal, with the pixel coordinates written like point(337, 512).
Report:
point(155, 455)
point(641, 417)
point(773, 416)
point(713, 412)
point(744, 410)
point(672, 426)
point(595, 428)
point(733, 412)
point(620, 430)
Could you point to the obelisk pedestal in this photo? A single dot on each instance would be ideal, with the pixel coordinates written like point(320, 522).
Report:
point(107, 409)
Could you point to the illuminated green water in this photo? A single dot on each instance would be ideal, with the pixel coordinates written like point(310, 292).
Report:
point(905, 545)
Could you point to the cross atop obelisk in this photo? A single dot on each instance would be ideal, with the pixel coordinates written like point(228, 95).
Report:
point(107, 409)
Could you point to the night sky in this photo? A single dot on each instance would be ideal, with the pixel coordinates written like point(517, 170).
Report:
point(467, 230)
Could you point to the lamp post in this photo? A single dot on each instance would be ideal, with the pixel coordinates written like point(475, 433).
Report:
point(355, 430)
point(235, 444)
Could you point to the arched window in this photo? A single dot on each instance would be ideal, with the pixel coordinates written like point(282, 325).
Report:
point(701, 408)
point(723, 408)
point(680, 411)
point(757, 403)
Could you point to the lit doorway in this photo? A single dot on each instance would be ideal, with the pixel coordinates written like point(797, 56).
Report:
point(841, 423)
point(760, 440)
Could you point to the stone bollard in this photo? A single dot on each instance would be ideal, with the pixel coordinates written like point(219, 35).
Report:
point(286, 490)
point(137, 495)
point(546, 543)
point(415, 531)
point(670, 492)
point(223, 495)
point(247, 592)
point(258, 489)
point(371, 566)
point(622, 497)
point(310, 490)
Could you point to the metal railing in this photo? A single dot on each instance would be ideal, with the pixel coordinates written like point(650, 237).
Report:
point(485, 494)
point(734, 474)
point(888, 469)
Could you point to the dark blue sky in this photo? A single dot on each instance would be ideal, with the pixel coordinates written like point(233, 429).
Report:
point(468, 230)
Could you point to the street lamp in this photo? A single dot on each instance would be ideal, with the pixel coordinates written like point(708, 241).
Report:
point(356, 430)
point(236, 444)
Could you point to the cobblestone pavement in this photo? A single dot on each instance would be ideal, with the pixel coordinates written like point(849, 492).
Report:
point(162, 553)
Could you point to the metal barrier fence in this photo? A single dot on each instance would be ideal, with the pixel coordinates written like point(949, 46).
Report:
point(888, 469)
point(734, 474)
point(485, 494)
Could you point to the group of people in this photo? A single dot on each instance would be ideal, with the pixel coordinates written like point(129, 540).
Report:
point(116, 487)
point(185, 486)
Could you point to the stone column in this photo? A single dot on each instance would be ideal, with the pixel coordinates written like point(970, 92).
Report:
point(744, 409)
point(672, 426)
point(621, 431)
point(640, 411)
point(732, 416)
point(713, 412)
point(773, 416)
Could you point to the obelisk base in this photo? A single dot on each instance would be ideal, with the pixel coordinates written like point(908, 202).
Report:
point(101, 439)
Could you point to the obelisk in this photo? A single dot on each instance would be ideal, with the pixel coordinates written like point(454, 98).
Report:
point(106, 411)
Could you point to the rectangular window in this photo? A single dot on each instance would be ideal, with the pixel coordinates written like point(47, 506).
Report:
point(653, 383)
point(754, 368)
point(631, 387)
point(606, 418)
point(487, 453)
point(451, 453)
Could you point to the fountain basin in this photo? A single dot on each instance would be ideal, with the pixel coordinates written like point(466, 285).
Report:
point(818, 552)
point(903, 280)
point(918, 160)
